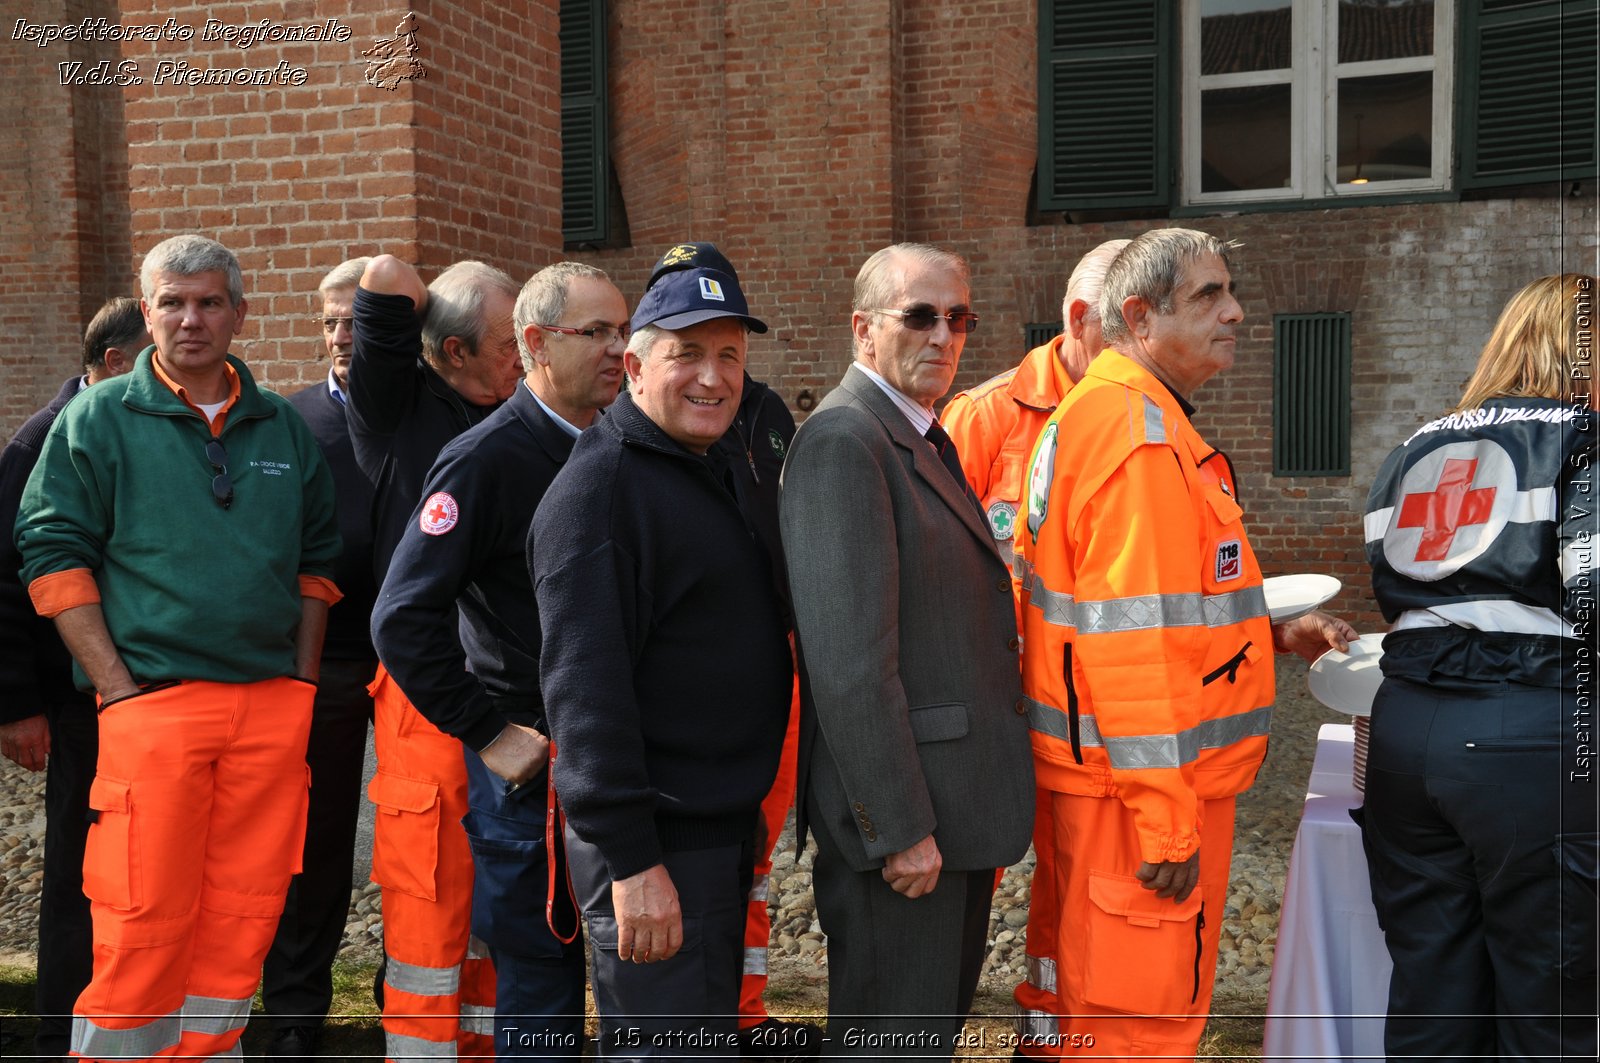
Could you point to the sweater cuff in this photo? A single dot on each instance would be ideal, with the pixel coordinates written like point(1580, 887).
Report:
point(320, 588)
point(56, 592)
point(630, 852)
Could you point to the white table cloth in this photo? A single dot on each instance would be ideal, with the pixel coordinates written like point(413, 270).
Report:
point(1330, 970)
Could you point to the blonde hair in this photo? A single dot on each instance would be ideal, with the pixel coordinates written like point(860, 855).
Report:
point(1533, 351)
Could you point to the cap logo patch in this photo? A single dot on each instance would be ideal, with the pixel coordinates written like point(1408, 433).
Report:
point(439, 514)
point(679, 254)
point(711, 289)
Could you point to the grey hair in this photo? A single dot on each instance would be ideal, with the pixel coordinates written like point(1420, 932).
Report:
point(186, 256)
point(642, 342)
point(875, 284)
point(114, 325)
point(1150, 268)
point(346, 274)
point(455, 306)
point(1088, 278)
point(544, 299)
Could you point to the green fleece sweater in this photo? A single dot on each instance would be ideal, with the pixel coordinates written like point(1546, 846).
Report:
point(189, 590)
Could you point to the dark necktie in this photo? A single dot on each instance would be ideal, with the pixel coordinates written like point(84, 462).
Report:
point(952, 461)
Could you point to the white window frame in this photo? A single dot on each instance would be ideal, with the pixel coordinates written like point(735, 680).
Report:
point(1313, 81)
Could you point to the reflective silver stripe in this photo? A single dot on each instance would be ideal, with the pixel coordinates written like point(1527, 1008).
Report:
point(422, 981)
point(1042, 973)
point(755, 961)
point(1046, 719)
point(758, 889)
point(1488, 616)
point(1375, 525)
point(1154, 430)
point(1038, 1025)
point(1024, 567)
point(1056, 607)
point(215, 1015)
point(98, 1042)
point(478, 1019)
point(1174, 750)
point(1142, 612)
point(477, 948)
point(1152, 751)
point(399, 1047)
point(1246, 603)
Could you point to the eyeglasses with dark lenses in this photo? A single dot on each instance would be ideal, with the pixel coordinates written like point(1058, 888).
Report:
point(331, 325)
point(923, 319)
point(606, 334)
point(221, 485)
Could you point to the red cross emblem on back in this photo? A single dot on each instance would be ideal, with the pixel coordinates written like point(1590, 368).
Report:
point(1445, 510)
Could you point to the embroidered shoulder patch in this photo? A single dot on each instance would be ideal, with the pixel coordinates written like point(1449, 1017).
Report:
point(439, 514)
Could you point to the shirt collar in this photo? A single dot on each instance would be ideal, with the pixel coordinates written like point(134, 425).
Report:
point(920, 417)
point(334, 389)
point(561, 422)
point(214, 423)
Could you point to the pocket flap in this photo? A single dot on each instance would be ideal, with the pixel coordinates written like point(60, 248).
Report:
point(1125, 896)
point(938, 723)
point(400, 794)
point(1225, 509)
point(109, 795)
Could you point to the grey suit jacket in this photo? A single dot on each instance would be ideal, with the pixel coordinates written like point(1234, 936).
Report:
point(910, 719)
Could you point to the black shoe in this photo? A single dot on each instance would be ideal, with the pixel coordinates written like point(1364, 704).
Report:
point(774, 1039)
point(297, 1043)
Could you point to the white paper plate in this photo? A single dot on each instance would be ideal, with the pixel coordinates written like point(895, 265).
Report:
point(1291, 597)
point(1346, 682)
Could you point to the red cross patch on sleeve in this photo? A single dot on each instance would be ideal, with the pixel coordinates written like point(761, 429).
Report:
point(439, 514)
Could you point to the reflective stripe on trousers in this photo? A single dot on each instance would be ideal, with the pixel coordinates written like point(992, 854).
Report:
point(478, 1019)
point(93, 1041)
point(1153, 751)
point(398, 1048)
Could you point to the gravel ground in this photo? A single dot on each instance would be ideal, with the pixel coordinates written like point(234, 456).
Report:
point(1268, 816)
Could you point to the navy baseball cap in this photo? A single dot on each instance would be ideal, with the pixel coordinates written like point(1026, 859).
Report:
point(696, 254)
point(683, 297)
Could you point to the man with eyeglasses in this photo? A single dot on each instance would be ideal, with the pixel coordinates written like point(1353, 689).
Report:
point(427, 363)
point(297, 981)
point(48, 723)
point(666, 676)
point(463, 562)
point(915, 773)
point(180, 530)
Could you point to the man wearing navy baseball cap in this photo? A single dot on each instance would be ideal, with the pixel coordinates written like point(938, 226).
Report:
point(666, 672)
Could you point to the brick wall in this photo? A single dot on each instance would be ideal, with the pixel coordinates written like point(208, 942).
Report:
point(63, 198)
point(800, 135)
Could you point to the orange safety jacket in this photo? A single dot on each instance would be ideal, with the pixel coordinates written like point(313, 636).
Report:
point(994, 427)
point(1147, 662)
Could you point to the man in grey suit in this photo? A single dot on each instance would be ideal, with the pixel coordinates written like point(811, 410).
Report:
point(915, 770)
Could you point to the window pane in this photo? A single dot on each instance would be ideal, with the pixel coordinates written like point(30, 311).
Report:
point(1386, 128)
point(1395, 29)
point(1244, 138)
point(1238, 35)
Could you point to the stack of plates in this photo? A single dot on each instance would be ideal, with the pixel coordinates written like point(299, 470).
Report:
point(1347, 682)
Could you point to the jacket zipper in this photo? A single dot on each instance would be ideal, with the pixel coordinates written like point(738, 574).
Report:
point(1229, 668)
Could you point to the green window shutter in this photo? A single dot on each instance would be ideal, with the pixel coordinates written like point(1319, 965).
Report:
point(1106, 103)
point(1037, 334)
point(1311, 395)
point(585, 138)
point(1528, 91)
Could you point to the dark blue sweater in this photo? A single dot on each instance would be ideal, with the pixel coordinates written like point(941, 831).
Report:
point(665, 666)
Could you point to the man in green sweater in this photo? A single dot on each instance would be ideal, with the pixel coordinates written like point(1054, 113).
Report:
point(180, 530)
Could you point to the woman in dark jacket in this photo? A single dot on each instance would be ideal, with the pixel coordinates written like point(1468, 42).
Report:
point(1480, 816)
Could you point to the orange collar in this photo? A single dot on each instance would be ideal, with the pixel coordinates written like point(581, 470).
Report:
point(1041, 381)
point(215, 424)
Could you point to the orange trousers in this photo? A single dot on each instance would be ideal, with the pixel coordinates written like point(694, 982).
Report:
point(1136, 971)
point(199, 805)
point(758, 922)
point(438, 988)
point(1036, 994)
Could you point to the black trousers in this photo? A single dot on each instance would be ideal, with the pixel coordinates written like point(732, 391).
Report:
point(1480, 830)
point(66, 938)
point(902, 971)
point(297, 977)
point(686, 1007)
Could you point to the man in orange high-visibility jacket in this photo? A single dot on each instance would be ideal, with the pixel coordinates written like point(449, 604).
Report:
point(994, 427)
point(1147, 667)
